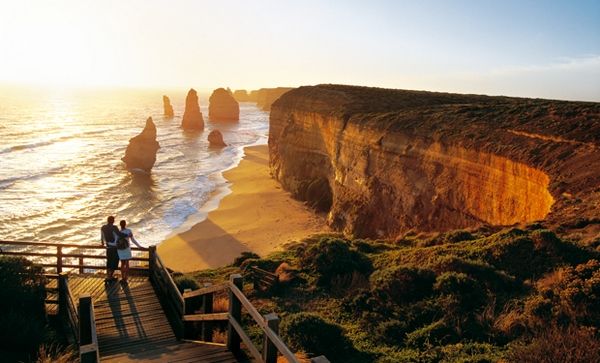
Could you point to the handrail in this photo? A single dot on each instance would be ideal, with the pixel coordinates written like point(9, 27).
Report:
point(68, 245)
point(80, 252)
point(170, 279)
point(272, 341)
point(273, 337)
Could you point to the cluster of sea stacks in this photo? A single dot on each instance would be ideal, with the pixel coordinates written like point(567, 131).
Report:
point(385, 162)
point(223, 106)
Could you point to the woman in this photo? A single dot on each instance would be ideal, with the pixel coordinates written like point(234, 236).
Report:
point(125, 253)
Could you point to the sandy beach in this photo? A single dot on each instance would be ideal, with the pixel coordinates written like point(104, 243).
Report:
point(257, 216)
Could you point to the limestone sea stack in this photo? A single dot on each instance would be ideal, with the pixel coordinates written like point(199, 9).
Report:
point(215, 139)
point(168, 108)
point(141, 151)
point(384, 162)
point(192, 117)
point(222, 106)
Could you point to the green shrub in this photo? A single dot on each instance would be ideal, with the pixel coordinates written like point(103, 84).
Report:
point(466, 291)
point(243, 257)
point(392, 332)
point(312, 334)
point(436, 333)
point(402, 284)
point(332, 257)
point(184, 282)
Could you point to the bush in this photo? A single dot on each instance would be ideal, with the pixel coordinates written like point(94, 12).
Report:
point(22, 296)
point(310, 333)
point(243, 257)
point(402, 284)
point(571, 344)
point(436, 333)
point(466, 291)
point(333, 257)
point(392, 332)
point(184, 282)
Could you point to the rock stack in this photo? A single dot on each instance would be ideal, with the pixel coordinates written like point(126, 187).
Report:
point(215, 139)
point(167, 107)
point(222, 106)
point(192, 117)
point(141, 151)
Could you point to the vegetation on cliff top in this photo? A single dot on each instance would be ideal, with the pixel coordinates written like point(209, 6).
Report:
point(519, 294)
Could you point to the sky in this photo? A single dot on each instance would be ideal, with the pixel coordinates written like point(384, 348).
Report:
point(547, 49)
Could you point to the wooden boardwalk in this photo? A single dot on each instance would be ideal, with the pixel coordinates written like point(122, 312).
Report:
point(132, 327)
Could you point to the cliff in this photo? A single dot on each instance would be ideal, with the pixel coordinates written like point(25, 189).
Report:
point(222, 106)
point(168, 108)
point(265, 97)
point(241, 95)
point(383, 162)
point(192, 117)
point(141, 151)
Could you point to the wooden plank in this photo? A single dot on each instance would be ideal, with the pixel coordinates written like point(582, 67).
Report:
point(205, 290)
point(206, 317)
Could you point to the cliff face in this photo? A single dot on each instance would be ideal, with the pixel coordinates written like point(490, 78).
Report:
point(141, 151)
point(383, 162)
point(222, 106)
point(192, 117)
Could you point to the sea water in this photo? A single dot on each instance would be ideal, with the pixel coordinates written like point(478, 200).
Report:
point(61, 172)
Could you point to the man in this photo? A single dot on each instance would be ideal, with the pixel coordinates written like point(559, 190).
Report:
point(109, 233)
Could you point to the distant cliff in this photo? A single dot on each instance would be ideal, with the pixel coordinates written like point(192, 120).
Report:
point(265, 97)
point(383, 162)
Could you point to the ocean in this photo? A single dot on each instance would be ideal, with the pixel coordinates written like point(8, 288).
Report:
point(61, 172)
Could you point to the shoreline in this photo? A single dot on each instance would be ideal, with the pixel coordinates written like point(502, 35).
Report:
point(257, 215)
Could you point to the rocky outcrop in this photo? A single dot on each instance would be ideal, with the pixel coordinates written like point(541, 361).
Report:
point(222, 106)
point(265, 97)
point(240, 95)
point(141, 151)
point(192, 117)
point(215, 139)
point(168, 108)
point(383, 162)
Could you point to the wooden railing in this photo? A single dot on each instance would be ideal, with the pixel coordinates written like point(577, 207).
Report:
point(201, 299)
point(57, 258)
point(167, 291)
point(66, 305)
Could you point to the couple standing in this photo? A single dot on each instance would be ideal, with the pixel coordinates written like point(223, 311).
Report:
point(117, 248)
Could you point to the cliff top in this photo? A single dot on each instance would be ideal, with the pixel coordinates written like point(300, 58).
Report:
point(568, 120)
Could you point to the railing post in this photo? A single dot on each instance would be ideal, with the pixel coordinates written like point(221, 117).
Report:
point(151, 261)
point(59, 258)
point(207, 308)
point(269, 349)
point(235, 312)
point(319, 359)
point(80, 265)
point(85, 336)
point(62, 293)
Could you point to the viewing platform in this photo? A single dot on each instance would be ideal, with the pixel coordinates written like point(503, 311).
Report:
point(147, 319)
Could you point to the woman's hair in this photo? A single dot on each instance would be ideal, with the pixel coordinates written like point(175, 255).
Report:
point(122, 223)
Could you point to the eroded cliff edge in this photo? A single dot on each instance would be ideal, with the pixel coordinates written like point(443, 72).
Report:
point(382, 162)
